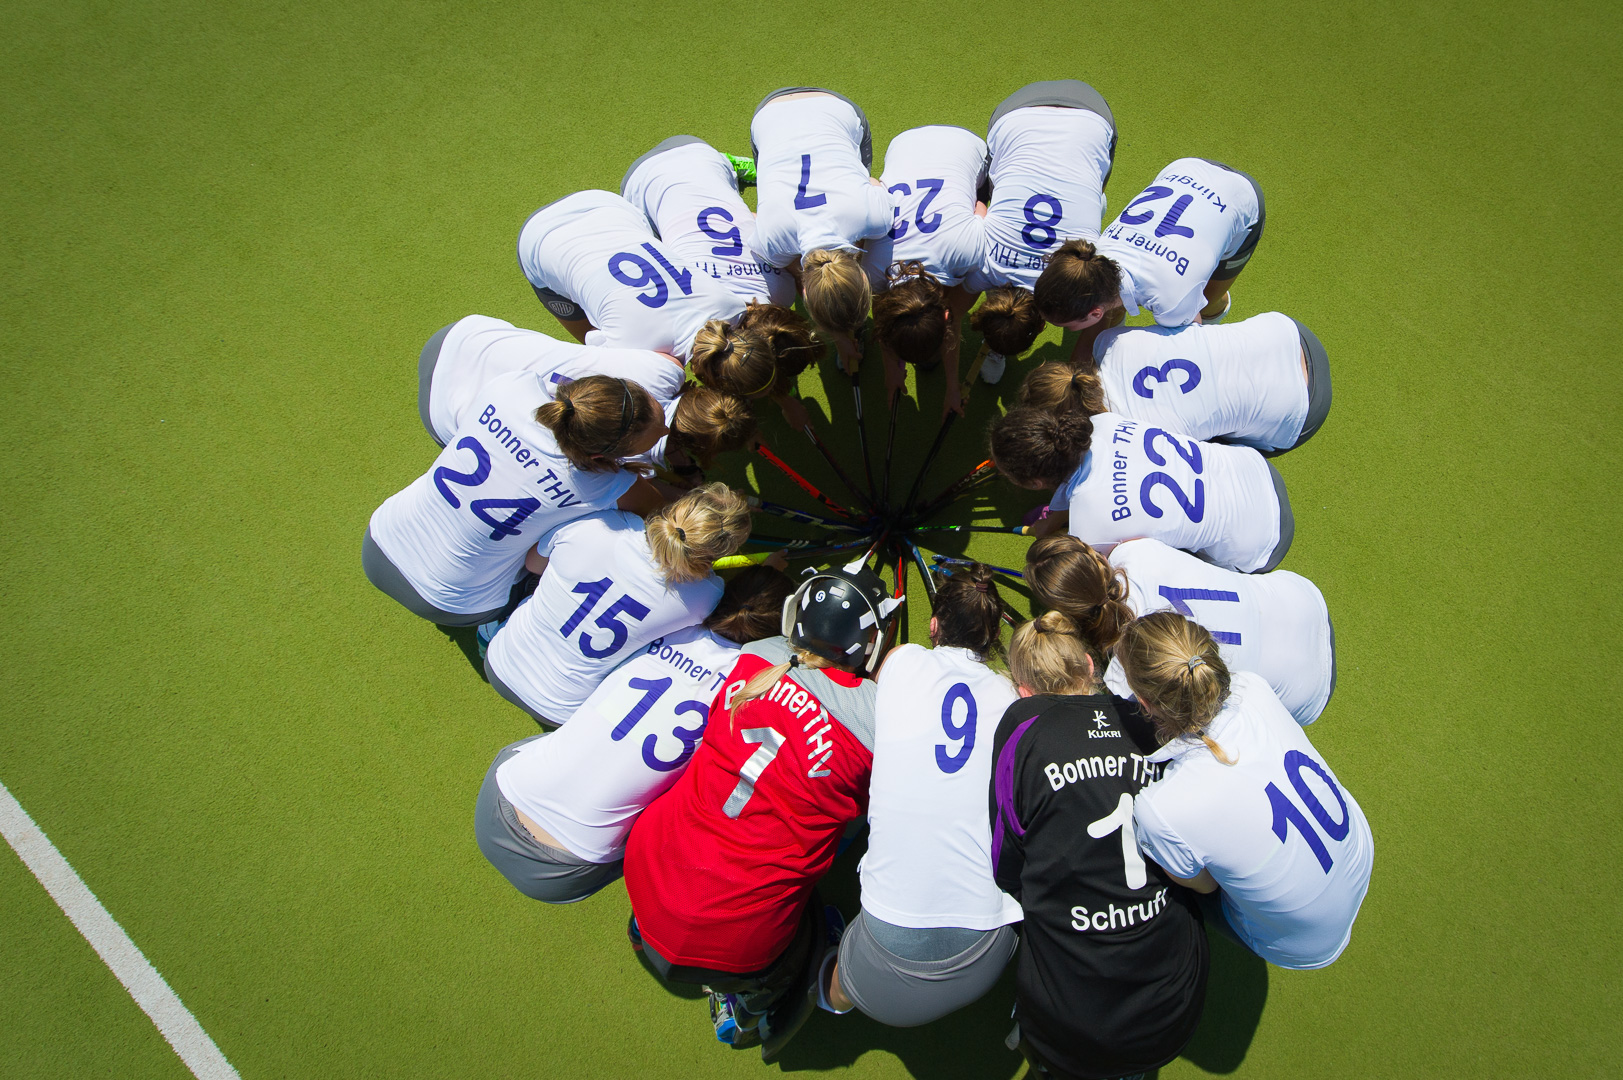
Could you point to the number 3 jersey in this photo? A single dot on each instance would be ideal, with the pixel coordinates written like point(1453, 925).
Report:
point(1275, 624)
point(599, 251)
point(459, 532)
point(1242, 382)
point(586, 782)
point(601, 599)
point(928, 861)
point(1140, 480)
point(1288, 845)
point(720, 867)
point(1112, 969)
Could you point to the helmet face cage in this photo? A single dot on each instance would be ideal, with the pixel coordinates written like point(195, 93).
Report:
point(840, 615)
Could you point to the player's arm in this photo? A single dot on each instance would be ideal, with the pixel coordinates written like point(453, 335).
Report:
point(794, 413)
point(959, 301)
point(1056, 521)
point(534, 561)
point(643, 498)
point(1082, 352)
point(1201, 882)
point(895, 375)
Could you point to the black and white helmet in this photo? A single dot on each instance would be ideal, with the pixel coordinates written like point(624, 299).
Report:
point(841, 615)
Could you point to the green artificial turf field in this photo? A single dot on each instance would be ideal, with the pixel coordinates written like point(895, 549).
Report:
point(228, 230)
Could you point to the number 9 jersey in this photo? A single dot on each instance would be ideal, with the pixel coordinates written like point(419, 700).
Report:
point(1111, 975)
point(1287, 844)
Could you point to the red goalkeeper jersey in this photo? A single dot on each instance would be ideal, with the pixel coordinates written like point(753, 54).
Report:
point(720, 866)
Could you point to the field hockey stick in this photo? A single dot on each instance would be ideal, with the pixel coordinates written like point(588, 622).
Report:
point(901, 591)
point(828, 456)
point(979, 474)
point(782, 542)
point(800, 481)
point(929, 459)
point(973, 374)
point(890, 447)
point(1002, 608)
point(766, 507)
point(753, 558)
point(1018, 530)
point(953, 560)
point(924, 568)
point(862, 431)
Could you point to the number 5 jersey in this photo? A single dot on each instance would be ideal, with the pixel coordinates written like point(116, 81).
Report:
point(1111, 975)
point(720, 866)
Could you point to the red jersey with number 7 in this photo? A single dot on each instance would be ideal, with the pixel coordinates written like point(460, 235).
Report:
point(720, 866)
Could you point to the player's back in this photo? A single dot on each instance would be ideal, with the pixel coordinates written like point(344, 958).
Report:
point(812, 189)
point(934, 173)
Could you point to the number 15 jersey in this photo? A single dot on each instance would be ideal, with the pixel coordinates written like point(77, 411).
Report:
point(720, 867)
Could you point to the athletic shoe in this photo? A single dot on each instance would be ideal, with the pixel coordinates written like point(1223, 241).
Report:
point(1228, 303)
point(744, 169)
point(726, 1014)
point(634, 933)
point(486, 632)
point(993, 367)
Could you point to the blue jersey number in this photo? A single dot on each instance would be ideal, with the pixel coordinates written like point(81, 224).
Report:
point(926, 225)
point(1179, 599)
point(646, 276)
point(1169, 224)
point(1287, 814)
point(1046, 224)
point(444, 477)
point(957, 731)
point(802, 200)
point(1163, 374)
point(652, 691)
point(730, 240)
point(609, 620)
point(1194, 510)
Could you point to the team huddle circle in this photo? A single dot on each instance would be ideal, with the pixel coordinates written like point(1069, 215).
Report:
point(1084, 796)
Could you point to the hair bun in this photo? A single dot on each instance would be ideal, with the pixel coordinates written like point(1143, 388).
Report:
point(568, 409)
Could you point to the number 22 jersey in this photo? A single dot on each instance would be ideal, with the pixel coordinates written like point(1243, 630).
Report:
point(1111, 975)
point(720, 867)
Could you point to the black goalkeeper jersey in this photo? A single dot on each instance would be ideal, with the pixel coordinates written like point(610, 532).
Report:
point(1112, 970)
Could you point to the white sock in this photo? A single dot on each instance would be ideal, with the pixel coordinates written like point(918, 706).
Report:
point(825, 978)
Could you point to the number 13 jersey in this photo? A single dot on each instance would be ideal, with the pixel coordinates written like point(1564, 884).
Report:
point(720, 867)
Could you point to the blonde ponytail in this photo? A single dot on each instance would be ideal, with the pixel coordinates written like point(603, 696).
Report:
point(836, 289)
point(767, 678)
point(1047, 657)
point(687, 536)
point(1177, 674)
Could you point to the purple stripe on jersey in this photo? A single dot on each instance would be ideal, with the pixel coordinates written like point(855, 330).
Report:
point(1003, 788)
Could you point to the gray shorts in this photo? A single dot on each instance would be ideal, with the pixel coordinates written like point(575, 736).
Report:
point(669, 144)
point(906, 993)
point(867, 130)
point(1232, 262)
point(1287, 523)
point(511, 695)
point(1318, 384)
point(561, 307)
point(426, 364)
point(1063, 93)
point(383, 573)
point(537, 870)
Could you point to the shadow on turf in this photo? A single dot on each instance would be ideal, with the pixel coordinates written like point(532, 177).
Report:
point(466, 638)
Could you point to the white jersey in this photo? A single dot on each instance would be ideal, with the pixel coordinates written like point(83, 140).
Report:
point(479, 348)
point(929, 859)
point(812, 190)
point(1171, 237)
point(1241, 381)
point(1275, 624)
point(1286, 843)
point(599, 251)
point(601, 599)
point(631, 740)
point(1049, 166)
point(459, 532)
point(690, 193)
point(656, 456)
point(1141, 480)
point(934, 172)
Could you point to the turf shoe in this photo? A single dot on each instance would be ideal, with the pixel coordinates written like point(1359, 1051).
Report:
point(634, 932)
point(734, 1024)
point(486, 632)
point(743, 168)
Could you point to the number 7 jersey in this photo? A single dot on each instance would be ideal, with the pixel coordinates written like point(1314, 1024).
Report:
point(719, 868)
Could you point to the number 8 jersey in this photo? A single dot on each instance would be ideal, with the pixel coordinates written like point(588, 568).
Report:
point(1139, 480)
point(1287, 844)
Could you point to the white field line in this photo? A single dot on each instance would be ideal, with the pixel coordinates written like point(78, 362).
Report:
point(175, 1022)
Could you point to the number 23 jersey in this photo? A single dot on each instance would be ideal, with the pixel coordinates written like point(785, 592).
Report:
point(719, 867)
point(1112, 969)
point(1141, 480)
